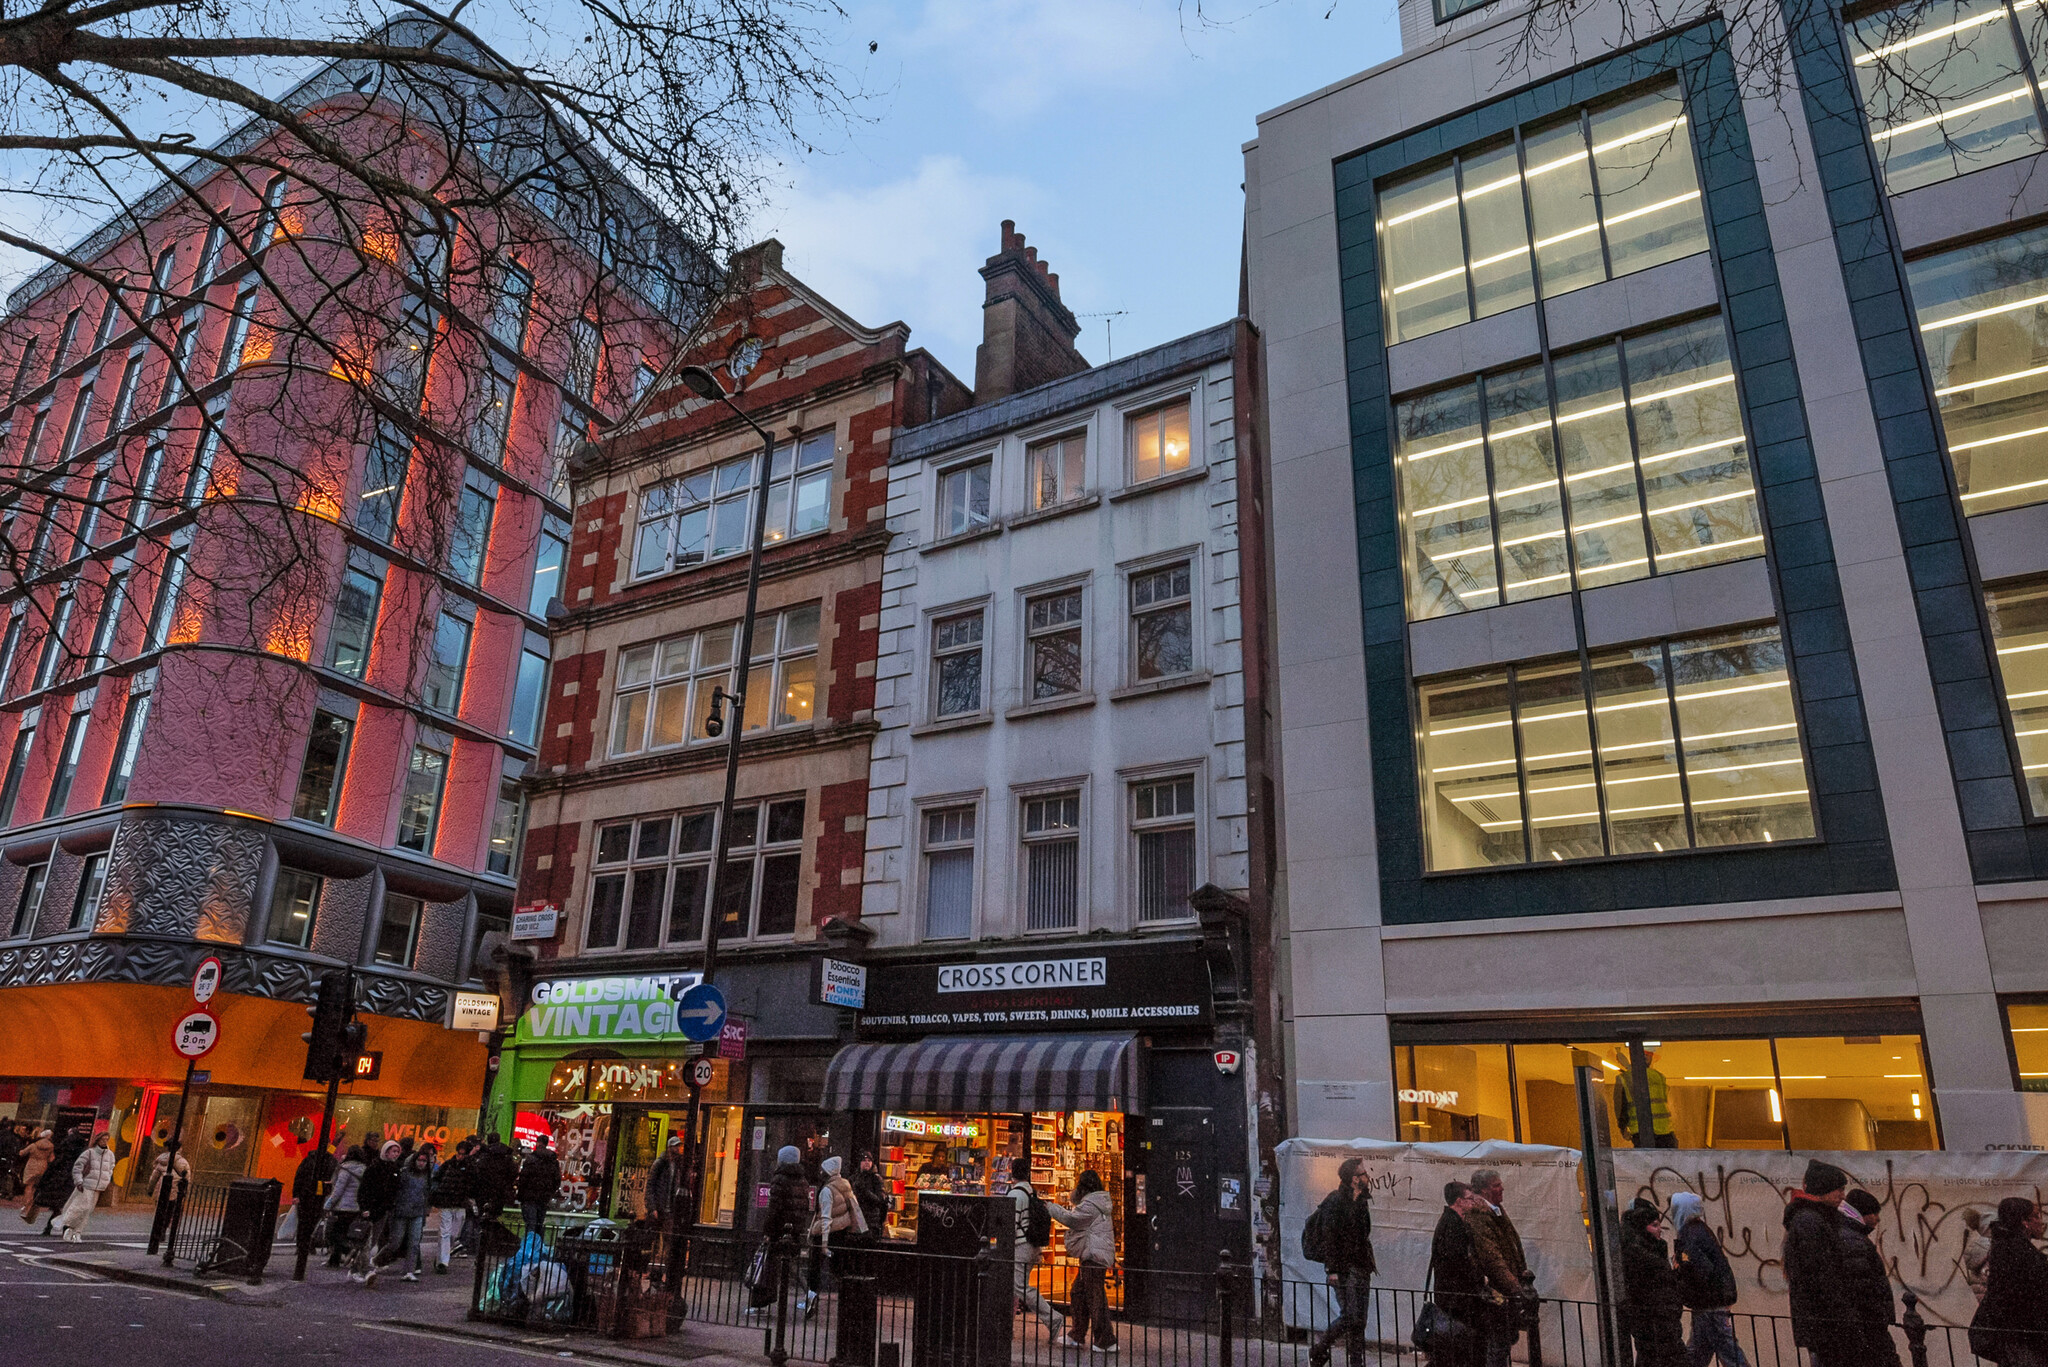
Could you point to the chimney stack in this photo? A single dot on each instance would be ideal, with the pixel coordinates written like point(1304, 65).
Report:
point(1027, 334)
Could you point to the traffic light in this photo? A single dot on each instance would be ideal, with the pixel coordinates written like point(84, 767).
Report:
point(328, 1052)
point(354, 1037)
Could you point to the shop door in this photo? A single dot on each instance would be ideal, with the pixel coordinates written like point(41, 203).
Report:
point(1185, 1241)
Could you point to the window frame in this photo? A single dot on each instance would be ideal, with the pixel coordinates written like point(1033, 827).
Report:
point(1154, 405)
point(28, 907)
point(1026, 634)
point(942, 477)
point(128, 740)
point(447, 623)
point(1022, 838)
point(773, 660)
point(415, 924)
point(70, 749)
point(1130, 575)
point(1194, 773)
point(983, 647)
point(347, 729)
point(971, 804)
point(1058, 440)
point(356, 567)
point(278, 888)
point(753, 850)
point(20, 755)
point(91, 894)
point(432, 824)
point(715, 475)
point(518, 802)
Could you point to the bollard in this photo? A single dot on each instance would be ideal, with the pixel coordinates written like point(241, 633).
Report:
point(778, 1348)
point(1916, 1330)
point(1226, 1287)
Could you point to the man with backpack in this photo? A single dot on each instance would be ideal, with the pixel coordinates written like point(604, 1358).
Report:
point(1339, 1236)
point(1034, 1232)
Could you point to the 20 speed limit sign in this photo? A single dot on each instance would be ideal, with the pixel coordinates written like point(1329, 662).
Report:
point(195, 1034)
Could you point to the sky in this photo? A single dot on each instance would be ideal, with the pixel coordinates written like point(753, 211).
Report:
point(1110, 130)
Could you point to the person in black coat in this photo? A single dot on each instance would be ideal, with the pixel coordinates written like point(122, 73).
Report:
point(1706, 1283)
point(309, 1194)
point(1869, 1289)
point(55, 1187)
point(1654, 1312)
point(540, 1178)
point(494, 1176)
point(873, 1198)
point(11, 1140)
point(2015, 1307)
point(1346, 1218)
point(1457, 1283)
point(1816, 1280)
point(788, 1221)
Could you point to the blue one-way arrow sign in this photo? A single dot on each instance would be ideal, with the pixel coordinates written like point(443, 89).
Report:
point(700, 1014)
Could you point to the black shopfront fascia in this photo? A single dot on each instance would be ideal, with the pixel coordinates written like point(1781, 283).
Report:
point(1187, 1188)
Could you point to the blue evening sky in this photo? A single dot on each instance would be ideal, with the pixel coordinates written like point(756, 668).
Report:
point(1110, 130)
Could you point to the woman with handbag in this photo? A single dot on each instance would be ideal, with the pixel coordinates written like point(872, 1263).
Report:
point(344, 1204)
point(1091, 1238)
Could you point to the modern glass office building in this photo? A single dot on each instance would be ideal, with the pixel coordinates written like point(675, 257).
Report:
point(1659, 521)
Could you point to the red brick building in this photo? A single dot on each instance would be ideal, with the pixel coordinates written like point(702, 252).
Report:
point(622, 812)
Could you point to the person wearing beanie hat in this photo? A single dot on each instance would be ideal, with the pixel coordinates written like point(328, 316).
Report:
point(1652, 1313)
point(839, 1227)
point(1706, 1283)
point(1869, 1289)
point(1818, 1284)
point(788, 1224)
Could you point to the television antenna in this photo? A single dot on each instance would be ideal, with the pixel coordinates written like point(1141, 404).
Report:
point(1108, 321)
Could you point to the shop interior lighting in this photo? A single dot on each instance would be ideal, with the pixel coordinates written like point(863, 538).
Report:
point(1777, 1112)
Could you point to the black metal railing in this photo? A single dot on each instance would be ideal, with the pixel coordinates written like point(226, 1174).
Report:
point(878, 1305)
point(196, 1223)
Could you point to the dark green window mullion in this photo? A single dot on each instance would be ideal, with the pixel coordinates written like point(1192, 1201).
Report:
point(1465, 251)
point(1599, 206)
point(1500, 559)
point(1692, 839)
point(1515, 1095)
point(1635, 456)
point(1521, 763)
point(1592, 724)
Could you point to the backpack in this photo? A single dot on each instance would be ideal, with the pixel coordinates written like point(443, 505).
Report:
point(1315, 1234)
point(1037, 1220)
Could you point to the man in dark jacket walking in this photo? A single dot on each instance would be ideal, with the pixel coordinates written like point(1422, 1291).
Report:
point(1652, 1314)
point(309, 1194)
point(787, 1224)
point(1345, 1218)
point(1817, 1282)
point(1869, 1288)
point(494, 1176)
point(1457, 1283)
point(540, 1178)
point(1706, 1283)
point(2015, 1308)
point(55, 1187)
point(664, 1185)
point(449, 1195)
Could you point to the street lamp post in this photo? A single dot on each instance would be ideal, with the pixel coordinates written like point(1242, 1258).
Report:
point(705, 385)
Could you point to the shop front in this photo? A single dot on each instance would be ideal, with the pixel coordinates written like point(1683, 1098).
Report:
point(595, 1062)
point(1100, 1057)
point(100, 1053)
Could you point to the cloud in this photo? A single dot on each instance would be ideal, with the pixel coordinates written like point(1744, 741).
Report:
point(1018, 57)
point(903, 249)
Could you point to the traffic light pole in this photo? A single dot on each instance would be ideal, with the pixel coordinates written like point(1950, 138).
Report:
point(332, 1046)
point(165, 1226)
point(305, 1236)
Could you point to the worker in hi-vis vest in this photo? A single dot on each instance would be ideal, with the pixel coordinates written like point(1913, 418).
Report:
point(1661, 1134)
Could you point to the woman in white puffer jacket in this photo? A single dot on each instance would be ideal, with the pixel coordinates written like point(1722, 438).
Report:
point(91, 1173)
point(1091, 1238)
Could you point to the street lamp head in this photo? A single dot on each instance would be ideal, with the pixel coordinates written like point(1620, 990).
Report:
point(702, 382)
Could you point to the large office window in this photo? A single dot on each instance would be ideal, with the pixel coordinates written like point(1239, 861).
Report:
point(654, 876)
point(447, 663)
point(92, 886)
point(1608, 191)
point(1945, 86)
point(17, 765)
point(134, 721)
point(2019, 628)
point(322, 770)
point(170, 584)
point(547, 571)
point(1985, 332)
point(294, 907)
point(56, 653)
point(1684, 744)
point(2028, 1024)
point(528, 688)
point(493, 423)
point(383, 482)
point(68, 752)
point(505, 818)
point(1637, 464)
point(472, 532)
point(664, 689)
point(709, 514)
point(29, 909)
point(1052, 861)
point(354, 629)
point(949, 873)
point(419, 801)
point(510, 306)
point(398, 932)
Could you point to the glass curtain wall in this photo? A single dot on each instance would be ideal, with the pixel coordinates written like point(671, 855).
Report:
point(2019, 629)
point(1856, 1092)
point(1682, 744)
point(1950, 87)
point(1983, 323)
point(2028, 1024)
point(1557, 206)
point(1631, 462)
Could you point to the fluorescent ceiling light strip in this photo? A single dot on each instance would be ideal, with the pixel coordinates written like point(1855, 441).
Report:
point(1756, 1077)
point(1447, 507)
point(1745, 768)
point(1602, 470)
point(1474, 726)
point(1658, 207)
point(1537, 536)
point(1499, 257)
point(1887, 134)
point(1511, 178)
point(1593, 227)
point(2030, 693)
point(1430, 208)
point(1635, 516)
point(1504, 433)
point(1930, 36)
point(1584, 572)
point(2007, 489)
point(2023, 650)
point(1998, 440)
point(1506, 762)
point(1700, 695)
point(1737, 440)
point(1561, 820)
point(1747, 797)
point(1638, 811)
point(1640, 399)
point(1583, 413)
point(1711, 546)
point(1566, 160)
point(1742, 731)
point(1438, 278)
point(1540, 579)
point(1414, 456)
point(1702, 503)
point(1994, 380)
point(1991, 312)
point(1648, 131)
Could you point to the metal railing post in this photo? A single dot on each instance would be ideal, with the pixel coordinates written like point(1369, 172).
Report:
point(1916, 1330)
point(1226, 1285)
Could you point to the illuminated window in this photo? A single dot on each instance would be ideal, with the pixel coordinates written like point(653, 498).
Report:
point(1453, 1093)
point(2028, 1024)
point(664, 690)
point(709, 515)
point(1608, 191)
point(1156, 442)
point(1698, 746)
point(654, 877)
point(2019, 630)
point(1945, 87)
point(1644, 475)
point(1053, 470)
point(321, 772)
point(1982, 322)
point(505, 820)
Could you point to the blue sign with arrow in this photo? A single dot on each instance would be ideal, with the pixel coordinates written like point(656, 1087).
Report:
point(700, 1013)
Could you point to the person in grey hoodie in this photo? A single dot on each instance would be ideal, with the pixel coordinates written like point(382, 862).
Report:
point(344, 1203)
point(1706, 1283)
point(1091, 1239)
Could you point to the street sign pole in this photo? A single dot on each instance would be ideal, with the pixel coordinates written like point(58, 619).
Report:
point(305, 1236)
point(163, 1230)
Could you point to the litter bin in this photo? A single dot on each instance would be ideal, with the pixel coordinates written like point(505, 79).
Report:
point(247, 1226)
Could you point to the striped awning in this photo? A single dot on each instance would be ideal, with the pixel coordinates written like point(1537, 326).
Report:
point(1000, 1074)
